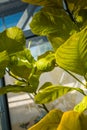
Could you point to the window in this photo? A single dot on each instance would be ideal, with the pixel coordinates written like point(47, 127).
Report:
point(12, 20)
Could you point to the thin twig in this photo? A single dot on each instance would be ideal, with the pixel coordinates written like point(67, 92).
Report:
point(21, 80)
point(69, 12)
point(43, 105)
point(74, 76)
point(45, 108)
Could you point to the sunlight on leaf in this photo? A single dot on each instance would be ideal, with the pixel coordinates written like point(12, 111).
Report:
point(52, 20)
point(72, 55)
point(49, 122)
point(70, 120)
point(82, 106)
point(51, 93)
point(47, 63)
point(12, 40)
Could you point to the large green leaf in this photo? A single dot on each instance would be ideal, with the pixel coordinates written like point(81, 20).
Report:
point(52, 20)
point(72, 55)
point(12, 40)
point(49, 122)
point(51, 93)
point(4, 60)
point(82, 106)
point(71, 120)
point(45, 2)
point(47, 63)
point(21, 63)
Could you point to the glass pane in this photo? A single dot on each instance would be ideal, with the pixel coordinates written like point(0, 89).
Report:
point(38, 46)
point(1, 25)
point(12, 20)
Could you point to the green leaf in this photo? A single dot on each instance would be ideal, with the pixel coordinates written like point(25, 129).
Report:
point(71, 120)
point(84, 121)
point(4, 60)
point(56, 41)
point(81, 18)
point(19, 67)
point(45, 2)
point(53, 92)
point(15, 89)
point(34, 82)
point(45, 54)
point(72, 55)
point(52, 20)
point(45, 85)
point(19, 83)
point(21, 63)
point(82, 106)
point(76, 5)
point(49, 122)
point(26, 55)
point(12, 40)
point(47, 63)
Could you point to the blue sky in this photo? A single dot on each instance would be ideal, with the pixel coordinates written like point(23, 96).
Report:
point(10, 21)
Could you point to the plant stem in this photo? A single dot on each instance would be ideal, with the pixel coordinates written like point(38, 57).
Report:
point(74, 77)
point(43, 105)
point(21, 80)
point(45, 108)
point(68, 11)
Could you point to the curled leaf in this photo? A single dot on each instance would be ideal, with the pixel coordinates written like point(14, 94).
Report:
point(70, 121)
point(53, 92)
point(49, 122)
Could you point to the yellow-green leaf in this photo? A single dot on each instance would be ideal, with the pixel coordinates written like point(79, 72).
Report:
point(70, 121)
point(55, 40)
point(21, 63)
point(4, 60)
point(53, 92)
point(52, 20)
point(15, 89)
point(12, 40)
point(34, 82)
point(76, 5)
point(72, 55)
point(49, 122)
point(47, 63)
point(82, 106)
point(45, 85)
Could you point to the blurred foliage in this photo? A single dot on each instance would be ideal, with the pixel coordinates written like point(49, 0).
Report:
point(64, 23)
